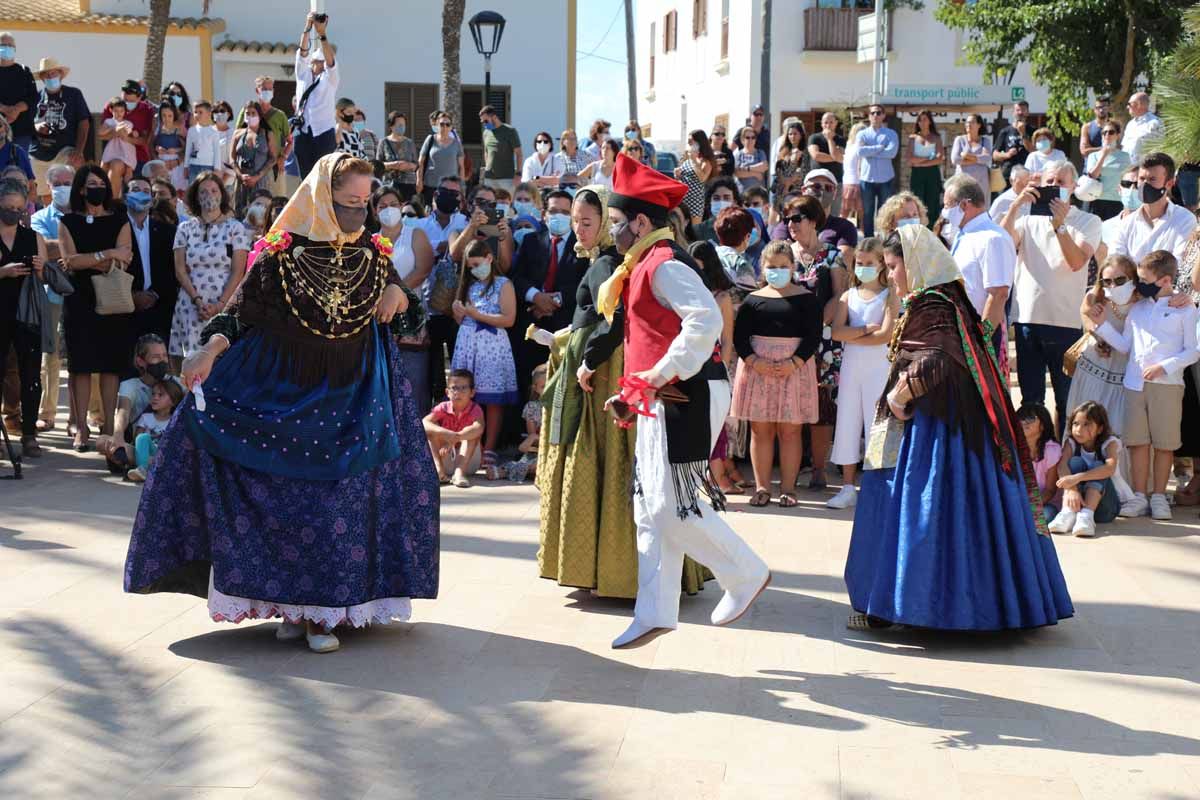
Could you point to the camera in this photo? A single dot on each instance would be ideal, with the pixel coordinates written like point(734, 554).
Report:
point(322, 18)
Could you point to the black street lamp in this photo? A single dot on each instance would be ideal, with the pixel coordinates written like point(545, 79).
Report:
point(486, 29)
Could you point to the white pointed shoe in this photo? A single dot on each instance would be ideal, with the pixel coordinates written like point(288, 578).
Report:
point(638, 634)
point(322, 642)
point(289, 631)
point(846, 498)
point(734, 604)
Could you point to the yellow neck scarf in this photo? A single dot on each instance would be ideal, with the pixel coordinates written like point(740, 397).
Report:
point(610, 291)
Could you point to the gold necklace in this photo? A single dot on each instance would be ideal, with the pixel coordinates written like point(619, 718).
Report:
point(331, 278)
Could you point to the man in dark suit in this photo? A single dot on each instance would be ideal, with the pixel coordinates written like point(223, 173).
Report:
point(155, 287)
point(545, 275)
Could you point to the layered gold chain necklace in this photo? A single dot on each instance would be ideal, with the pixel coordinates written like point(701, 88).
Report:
point(333, 278)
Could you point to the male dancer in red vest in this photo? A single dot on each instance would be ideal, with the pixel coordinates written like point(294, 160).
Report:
point(672, 326)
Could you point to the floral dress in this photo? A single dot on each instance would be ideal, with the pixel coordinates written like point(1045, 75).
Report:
point(209, 257)
point(818, 277)
point(485, 350)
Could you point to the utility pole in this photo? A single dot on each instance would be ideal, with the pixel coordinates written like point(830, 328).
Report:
point(879, 76)
point(630, 60)
point(764, 79)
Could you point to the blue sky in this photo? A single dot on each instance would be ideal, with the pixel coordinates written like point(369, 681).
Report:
point(600, 89)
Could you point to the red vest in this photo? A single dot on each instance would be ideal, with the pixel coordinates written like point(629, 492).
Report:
point(650, 327)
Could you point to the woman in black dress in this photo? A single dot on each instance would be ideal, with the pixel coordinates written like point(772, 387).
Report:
point(22, 253)
point(94, 239)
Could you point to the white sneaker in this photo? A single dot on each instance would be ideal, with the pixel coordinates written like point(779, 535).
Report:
point(846, 498)
point(1135, 506)
point(1063, 522)
point(1159, 507)
point(1085, 525)
point(290, 631)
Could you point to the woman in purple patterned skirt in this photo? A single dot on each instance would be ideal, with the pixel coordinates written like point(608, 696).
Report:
point(297, 484)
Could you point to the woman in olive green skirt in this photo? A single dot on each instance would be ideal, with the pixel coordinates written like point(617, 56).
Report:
point(585, 462)
point(926, 154)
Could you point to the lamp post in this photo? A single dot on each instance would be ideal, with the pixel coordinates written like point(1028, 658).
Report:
point(486, 29)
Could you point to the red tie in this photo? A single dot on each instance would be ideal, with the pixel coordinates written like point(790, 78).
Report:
point(552, 270)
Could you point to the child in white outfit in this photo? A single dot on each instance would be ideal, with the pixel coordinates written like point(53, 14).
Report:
point(864, 319)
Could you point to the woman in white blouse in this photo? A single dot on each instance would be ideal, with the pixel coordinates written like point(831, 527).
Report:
point(972, 154)
point(544, 168)
point(1044, 151)
point(851, 191)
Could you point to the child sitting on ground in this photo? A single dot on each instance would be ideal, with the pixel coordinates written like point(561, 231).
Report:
point(1045, 454)
point(454, 428)
point(165, 396)
point(525, 467)
point(1087, 466)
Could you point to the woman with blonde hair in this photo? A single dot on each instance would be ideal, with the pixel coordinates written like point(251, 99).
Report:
point(902, 208)
point(851, 192)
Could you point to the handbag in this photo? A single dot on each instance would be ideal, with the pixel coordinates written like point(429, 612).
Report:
point(1072, 354)
point(114, 292)
point(996, 180)
point(56, 279)
point(409, 327)
point(443, 286)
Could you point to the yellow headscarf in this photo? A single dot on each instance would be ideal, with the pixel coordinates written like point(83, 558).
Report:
point(926, 259)
point(309, 213)
point(605, 240)
point(610, 290)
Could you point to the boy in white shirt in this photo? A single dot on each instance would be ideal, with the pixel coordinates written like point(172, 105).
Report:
point(203, 147)
point(1161, 342)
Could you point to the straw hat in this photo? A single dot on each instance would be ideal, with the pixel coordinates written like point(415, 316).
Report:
point(47, 64)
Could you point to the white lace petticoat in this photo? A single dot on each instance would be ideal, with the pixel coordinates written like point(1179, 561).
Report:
point(227, 608)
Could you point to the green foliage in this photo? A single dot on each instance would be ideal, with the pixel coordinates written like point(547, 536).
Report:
point(1178, 93)
point(1071, 45)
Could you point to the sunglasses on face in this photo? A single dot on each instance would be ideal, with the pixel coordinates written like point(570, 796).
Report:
point(633, 149)
point(543, 141)
point(795, 219)
point(410, 215)
point(876, 113)
point(1109, 283)
point(1110, 132)
point(1128, 184)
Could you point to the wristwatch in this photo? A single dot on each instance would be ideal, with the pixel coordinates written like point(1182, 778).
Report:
point(1061, 229)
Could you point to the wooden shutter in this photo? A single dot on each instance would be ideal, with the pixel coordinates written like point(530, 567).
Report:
point(699, 18)
point(652, 41)
point(417, 101)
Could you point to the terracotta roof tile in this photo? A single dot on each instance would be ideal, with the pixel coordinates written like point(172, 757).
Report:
point(52, 11)
point(243, 46)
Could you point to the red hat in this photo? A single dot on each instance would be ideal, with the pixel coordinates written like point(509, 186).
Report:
point(638, 189)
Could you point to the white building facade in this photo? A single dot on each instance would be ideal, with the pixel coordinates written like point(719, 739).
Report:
point(389, 54)
point(700, 62)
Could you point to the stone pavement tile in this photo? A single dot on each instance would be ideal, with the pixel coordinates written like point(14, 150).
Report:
point(896, 773)
point(810, 790)
point(763, 751)
point(982, 753)
point(676, 735)
point(1106, 778)
point(1027, 787)
point(644, 776)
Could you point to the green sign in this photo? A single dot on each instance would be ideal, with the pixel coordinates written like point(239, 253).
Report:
point(952, 95)
point(1018, 93)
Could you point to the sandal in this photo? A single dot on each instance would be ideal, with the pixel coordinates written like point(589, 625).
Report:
point(788, 500)
point(866, 622)
point(761, 498)
point(733, 489)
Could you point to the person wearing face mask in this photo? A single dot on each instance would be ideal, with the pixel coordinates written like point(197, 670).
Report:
point(210, 260)
point(45, 224)
point(140, 115)
point(672, 326)
point(222, 119)
point(398, 153)
point(253, 155)
point(348, 139)
point(94, 239)
point(317, 81)
point(633, 132)
point(275, 122)
point(12, 154)
point(443, 225)
point(442, 156)
point(150, 367)
point(175, 94)
point(1157, 224)
point(1044, 151)
point(1107, 164)
point(370, 142)
point(481, 200)
point(545, 168)
point(837, 231)
point(911, 559)
point(61, 119)
point(18, 92)
point(1052, 259)
point(202, 150)
point(722, 193)
point(984, 253)
point(22, 254)
point(334, 470)
point(155, 286)
point(502, 157)
point(1160, 339)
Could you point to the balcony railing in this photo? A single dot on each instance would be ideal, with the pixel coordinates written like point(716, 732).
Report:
point(834, 29)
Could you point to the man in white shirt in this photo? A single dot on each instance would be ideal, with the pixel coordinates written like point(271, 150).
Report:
point(982, 249)
point(1020, 179)
point(1161, 342)
point(1159, 224)
point(1052, 257)
point(316, 93)
point(1142, 126)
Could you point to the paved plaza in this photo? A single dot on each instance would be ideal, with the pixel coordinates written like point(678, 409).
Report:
point(505, 687)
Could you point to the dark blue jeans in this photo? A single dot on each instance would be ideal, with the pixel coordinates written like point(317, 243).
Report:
point(1110, 504)
point(1041, 348)
point(874, 195)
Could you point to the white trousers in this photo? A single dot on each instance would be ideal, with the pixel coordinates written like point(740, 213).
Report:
point(860, 385)
point(663, 539)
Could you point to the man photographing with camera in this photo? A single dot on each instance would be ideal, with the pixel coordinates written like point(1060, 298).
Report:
point(316, 87)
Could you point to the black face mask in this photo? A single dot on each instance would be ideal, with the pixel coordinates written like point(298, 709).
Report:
point(10, 216)
point(157, 371)
point(1152, 194)
point(349, 219)
point(347, 118)
point(95, 195)
point(1145, 289)
point(446, 202)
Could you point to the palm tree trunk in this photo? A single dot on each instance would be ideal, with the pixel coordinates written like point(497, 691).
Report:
point(1126, 88)
point(764, 78)
point(156, 42)
point(630, 60)
point(452, 22)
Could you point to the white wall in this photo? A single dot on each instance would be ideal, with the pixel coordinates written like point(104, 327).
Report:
point(100, 63)
point(382, 41)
